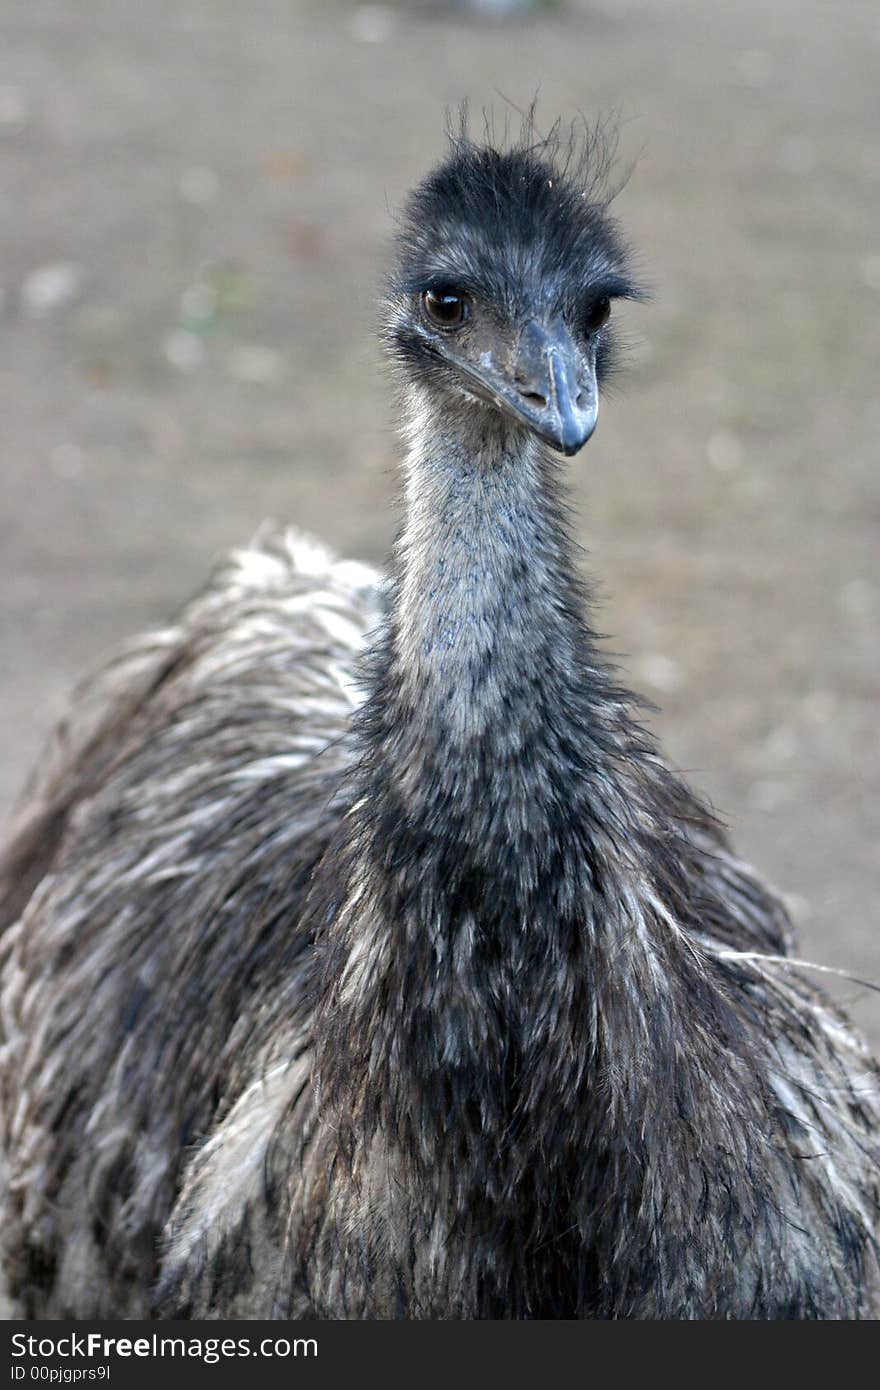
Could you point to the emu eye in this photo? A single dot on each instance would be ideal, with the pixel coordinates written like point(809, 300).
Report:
point(597, 314)
point(445, 308)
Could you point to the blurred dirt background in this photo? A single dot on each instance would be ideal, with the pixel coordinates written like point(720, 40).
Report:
point(194, 218)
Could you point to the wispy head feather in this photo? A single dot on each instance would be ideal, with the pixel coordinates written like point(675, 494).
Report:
point(523, 221)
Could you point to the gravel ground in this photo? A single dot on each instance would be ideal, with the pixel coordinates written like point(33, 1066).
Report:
point(195, 216)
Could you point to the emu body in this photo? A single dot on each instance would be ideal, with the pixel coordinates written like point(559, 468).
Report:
point(363, 958)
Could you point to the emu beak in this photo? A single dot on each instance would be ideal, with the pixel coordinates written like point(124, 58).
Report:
point(551, 387)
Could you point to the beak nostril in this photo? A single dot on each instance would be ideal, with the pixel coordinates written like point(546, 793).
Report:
point(534, 398)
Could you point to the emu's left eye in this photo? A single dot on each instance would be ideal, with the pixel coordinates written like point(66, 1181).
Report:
point(446, 308)
point(597, 315)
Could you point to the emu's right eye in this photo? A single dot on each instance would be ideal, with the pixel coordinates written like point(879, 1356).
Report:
point(445, 308)
point(597, 315)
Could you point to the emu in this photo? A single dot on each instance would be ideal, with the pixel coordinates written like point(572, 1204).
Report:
point(362, 956)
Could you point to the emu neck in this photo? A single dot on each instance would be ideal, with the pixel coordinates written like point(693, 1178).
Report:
point(476, 722)
point(480, 570)
point(485, 581)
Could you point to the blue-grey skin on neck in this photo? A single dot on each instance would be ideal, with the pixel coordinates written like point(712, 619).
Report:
point(479, 569)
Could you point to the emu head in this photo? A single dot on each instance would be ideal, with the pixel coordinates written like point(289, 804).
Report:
point(507, 269)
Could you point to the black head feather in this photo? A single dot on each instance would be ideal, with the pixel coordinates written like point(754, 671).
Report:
point(527, 228)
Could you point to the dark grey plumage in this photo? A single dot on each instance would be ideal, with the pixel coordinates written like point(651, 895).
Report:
point(351, 977)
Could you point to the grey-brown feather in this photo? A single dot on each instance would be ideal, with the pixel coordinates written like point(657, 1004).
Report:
point(397, 975)
point(204, 790)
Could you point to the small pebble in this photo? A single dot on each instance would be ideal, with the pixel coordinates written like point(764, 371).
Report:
point(661, 672)
point(184, 350)
point(51, 287)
